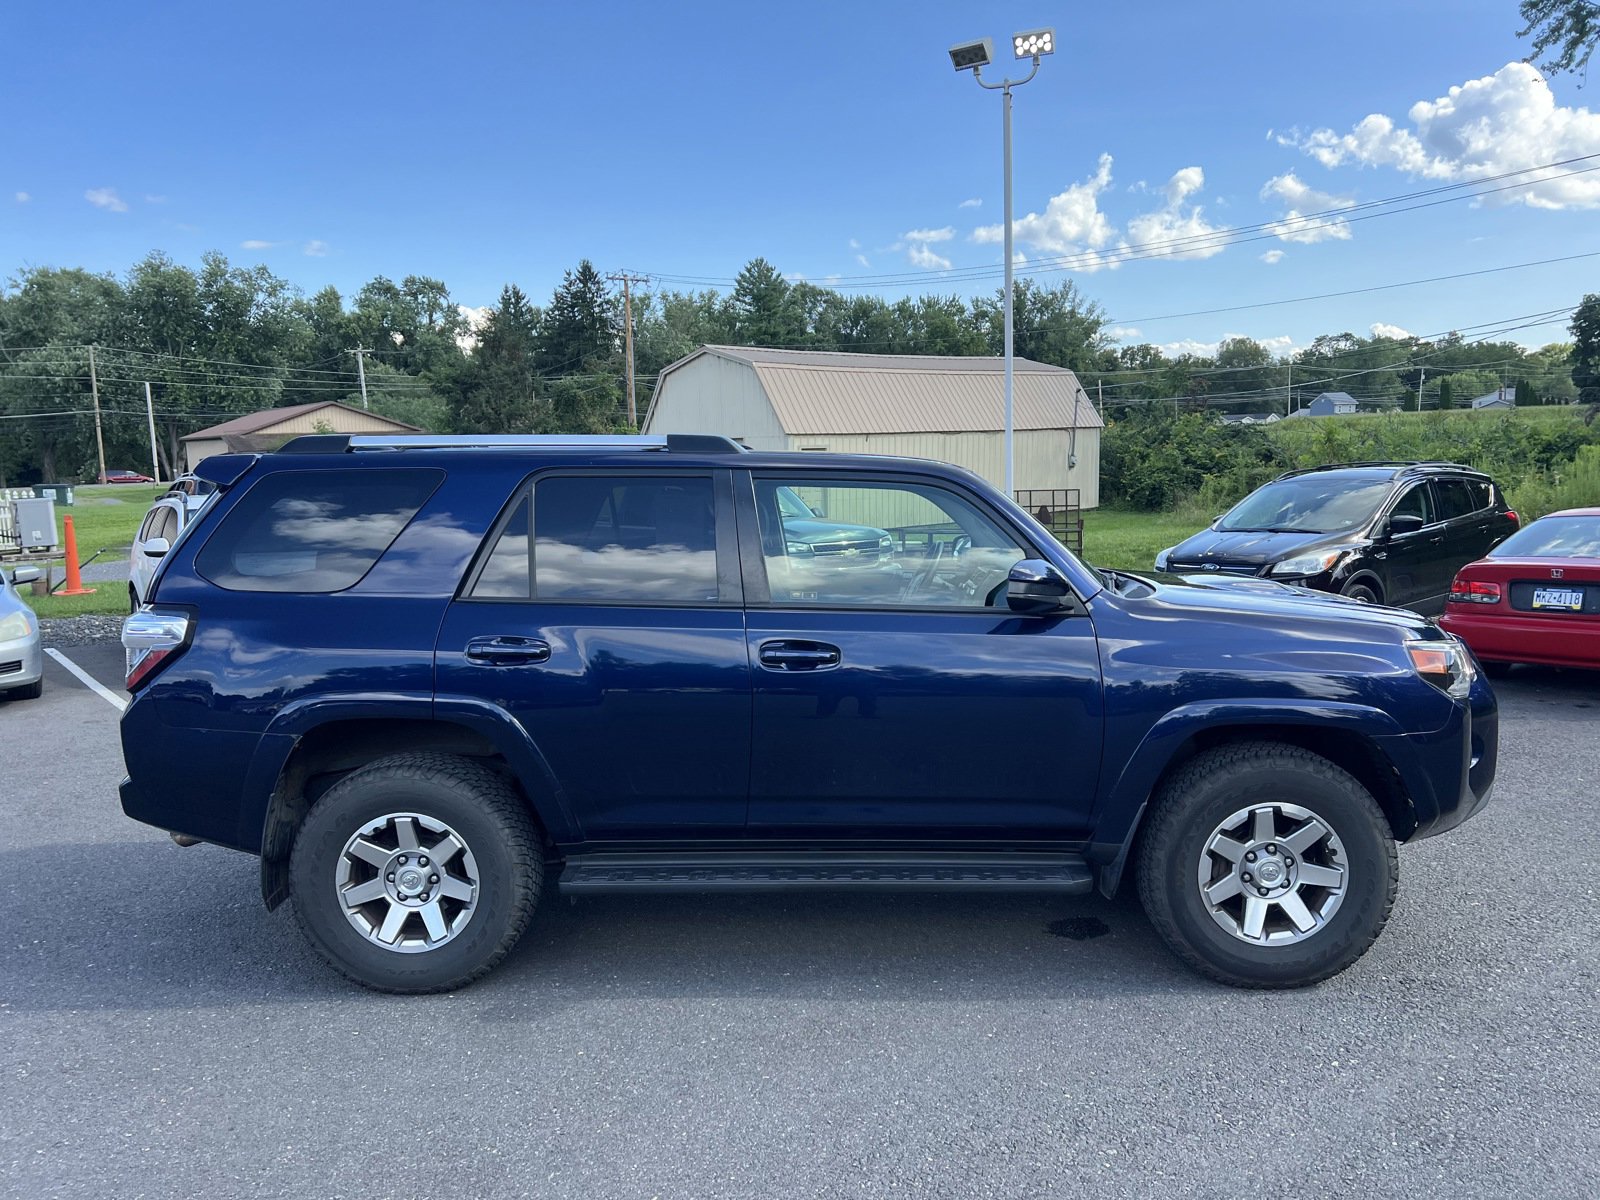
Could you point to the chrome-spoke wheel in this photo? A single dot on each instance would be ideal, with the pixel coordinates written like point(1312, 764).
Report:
point(1273, 874)
point(407, 882)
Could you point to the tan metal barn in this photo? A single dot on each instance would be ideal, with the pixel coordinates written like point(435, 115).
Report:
point(270, 428)
point(921, 406)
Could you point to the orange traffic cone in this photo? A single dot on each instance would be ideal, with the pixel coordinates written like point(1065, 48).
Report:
point(74, 581)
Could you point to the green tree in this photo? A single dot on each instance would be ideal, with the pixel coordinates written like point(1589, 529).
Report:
point(764, 313)
point(500, 393)
point(580, 331)
point(1585, 330)
point(1565, 31)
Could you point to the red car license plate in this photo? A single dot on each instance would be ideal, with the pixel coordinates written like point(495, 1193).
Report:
point(1563, 598)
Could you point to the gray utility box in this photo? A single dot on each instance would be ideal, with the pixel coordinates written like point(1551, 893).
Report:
point(35, 523)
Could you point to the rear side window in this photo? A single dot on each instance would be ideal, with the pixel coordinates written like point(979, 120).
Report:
point(312, 531)
point(1456, 498)
point(592, 537)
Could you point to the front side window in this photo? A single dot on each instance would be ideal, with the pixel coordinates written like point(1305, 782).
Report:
point(312, 531)
point(908, 545)
point(607, 538)
point(1415, 502)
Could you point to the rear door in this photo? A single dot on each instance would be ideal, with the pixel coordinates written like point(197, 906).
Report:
point(895, 693)
point(1470, 526)
point(606, 620)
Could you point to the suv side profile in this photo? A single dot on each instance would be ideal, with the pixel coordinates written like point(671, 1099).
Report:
point(421, 676)
point(1383, 532)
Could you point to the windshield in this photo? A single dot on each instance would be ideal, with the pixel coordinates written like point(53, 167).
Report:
point(1553, 537)
point(790, 505)
point(1307, 504)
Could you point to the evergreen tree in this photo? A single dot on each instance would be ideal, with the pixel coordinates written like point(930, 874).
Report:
point(581, 329)
point(762, 312)
point(1585, 330)
point(501, 393)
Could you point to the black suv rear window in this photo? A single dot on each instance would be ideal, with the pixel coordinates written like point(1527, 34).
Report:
point(312, 531)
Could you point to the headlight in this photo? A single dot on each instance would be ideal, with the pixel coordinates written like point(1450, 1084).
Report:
point(1446, 664)
point(1161, 559)
point(796, 549)
point(15, 625)
point(1307, 564)
point(885, 544)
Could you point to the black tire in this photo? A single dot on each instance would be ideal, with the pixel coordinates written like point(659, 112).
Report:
point(133, 599)
point(1363, 591)
point(467, 797)
point(1495, 670)
point(1206, 791)
point(28, 691)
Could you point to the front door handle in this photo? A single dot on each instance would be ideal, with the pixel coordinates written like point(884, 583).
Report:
point(507, 651)
point(798, 656)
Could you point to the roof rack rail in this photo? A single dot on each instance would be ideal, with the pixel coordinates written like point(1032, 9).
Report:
point(343, 443)
point(1401, 463)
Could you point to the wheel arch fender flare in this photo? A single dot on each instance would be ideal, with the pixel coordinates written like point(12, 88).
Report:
point(1128, 799)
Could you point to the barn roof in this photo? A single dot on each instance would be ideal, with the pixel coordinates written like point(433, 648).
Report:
point(823, 392)
point(268, 417)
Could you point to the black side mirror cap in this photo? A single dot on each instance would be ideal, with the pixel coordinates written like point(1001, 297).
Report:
point(1404, 523)
point(1036, 587)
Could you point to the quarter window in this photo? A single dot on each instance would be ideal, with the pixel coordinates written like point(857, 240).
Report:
point(896, 545)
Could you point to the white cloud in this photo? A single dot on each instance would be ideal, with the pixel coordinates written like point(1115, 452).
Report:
point(919, 250)
point(473, 320)
point(862, 259)
point(923, 256)
point(1071, 223)
point(1299, 198)
point(854, 245)
point(930, 235)
point(107, 199)
point(975, 202)
point(1384, 330)
point(1277, 346)
point(1508, 121)
point(149, 199)
point(257, 244)
point(1185, 227)
point(23, 197)
point(1121, 333)
point(1272, 256)
point(317, 249)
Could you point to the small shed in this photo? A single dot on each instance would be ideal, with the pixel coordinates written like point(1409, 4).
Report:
point(267, 430)
point(944, 407)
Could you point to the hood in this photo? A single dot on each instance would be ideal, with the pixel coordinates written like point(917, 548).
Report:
point(1273, 602)
point(1253, 548)
point(814, 531)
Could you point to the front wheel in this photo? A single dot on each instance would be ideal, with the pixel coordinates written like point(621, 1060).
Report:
point(416, 873)
point(1363, 592)
point(1267, 866)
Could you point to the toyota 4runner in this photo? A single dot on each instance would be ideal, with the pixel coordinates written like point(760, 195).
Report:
point(423, 677)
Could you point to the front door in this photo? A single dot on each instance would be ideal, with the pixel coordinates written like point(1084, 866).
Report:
point(895, 693)
point(1409, 558)
point(606, 620)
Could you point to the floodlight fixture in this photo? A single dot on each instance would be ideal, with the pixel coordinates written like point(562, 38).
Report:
point(1033, 43)
point(967, 56)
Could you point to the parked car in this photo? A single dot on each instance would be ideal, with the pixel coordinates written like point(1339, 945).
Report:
point(807, 534)
point(417, 676)
point(193, 489)
point(127, 477)
point(21, 649)
point(1384, 532)
point(1535, 598)
point(166, 519)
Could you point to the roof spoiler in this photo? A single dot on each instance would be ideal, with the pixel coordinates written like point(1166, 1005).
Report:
point(224, 470)
point(345, 443)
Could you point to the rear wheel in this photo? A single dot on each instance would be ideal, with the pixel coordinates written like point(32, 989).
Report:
point(1267, 866)
point(417, 873)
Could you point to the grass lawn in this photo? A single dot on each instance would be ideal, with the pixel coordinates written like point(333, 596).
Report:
point(1131, 540)
point(104, 517)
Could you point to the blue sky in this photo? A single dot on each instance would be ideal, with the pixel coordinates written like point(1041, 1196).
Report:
point(487, 143)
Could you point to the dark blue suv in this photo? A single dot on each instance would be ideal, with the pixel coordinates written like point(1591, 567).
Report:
point(419, 677)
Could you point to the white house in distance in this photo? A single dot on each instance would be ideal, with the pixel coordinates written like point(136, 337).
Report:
point(917, 405)
point(1505, 397)
point(272, 427)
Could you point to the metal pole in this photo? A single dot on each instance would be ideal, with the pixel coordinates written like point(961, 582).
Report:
point(627, 337)
point(1010, 481)
point(150, 414)
point(361, 372)
point(99, 438)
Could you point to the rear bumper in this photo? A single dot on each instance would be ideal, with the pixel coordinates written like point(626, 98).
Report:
point(1513, 637)
point(1449, 774)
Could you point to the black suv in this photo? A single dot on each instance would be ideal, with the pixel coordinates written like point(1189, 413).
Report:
point(421, 677)
point(1384, 532)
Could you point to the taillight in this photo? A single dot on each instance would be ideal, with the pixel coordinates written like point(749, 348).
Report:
point(1472, 591)
point(152, 639)
point(1513, 518)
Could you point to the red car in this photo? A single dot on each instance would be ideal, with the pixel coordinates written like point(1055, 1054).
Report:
point(127, 477)
point(1535, 598)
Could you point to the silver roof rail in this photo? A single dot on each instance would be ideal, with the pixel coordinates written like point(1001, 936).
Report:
point(682, 443)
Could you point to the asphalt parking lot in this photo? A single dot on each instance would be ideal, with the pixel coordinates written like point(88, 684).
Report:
point(165, 1036)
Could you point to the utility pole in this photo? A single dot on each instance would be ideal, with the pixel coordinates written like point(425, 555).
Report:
point(1421, 379)
point(1288, 389)
point(150, 414)
point(627, 338)
point(361, 371)
point(1100, 397)
point(99, 437)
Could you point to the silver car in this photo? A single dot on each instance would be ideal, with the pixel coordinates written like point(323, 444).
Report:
point(21, 652)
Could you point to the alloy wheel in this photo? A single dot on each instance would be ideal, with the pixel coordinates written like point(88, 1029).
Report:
point(407, 882)
point(1273, 874)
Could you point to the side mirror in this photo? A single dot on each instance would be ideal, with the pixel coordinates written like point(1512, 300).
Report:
point(1034, 586)
point(26, 574)
point(156, 547)
point(1403, 523)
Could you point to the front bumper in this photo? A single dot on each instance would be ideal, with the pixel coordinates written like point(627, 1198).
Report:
point(21, 661)
point(1449, 774)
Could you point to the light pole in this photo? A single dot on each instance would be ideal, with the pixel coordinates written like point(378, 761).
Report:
point(974, 56)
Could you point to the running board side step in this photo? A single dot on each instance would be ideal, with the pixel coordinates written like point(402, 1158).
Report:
point(593, 874)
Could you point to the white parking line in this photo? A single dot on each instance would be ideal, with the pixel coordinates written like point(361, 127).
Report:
point(88, 680)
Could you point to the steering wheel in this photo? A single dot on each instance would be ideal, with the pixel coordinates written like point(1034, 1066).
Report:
point(924, 577)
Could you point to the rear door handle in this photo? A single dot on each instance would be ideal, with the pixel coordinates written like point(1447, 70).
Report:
point(507, 651)
point(798, 656)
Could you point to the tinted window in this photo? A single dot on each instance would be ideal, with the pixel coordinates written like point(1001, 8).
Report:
point(1314, 503)
point(649, 540)
point(166, 524)
point(312, 531)
point(1553, 537)
point(1456, 498)
point(1415, 501)
point(889, 545)
point(149, 523)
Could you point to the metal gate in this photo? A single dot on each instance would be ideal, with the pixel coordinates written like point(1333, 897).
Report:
point(1058, 510)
